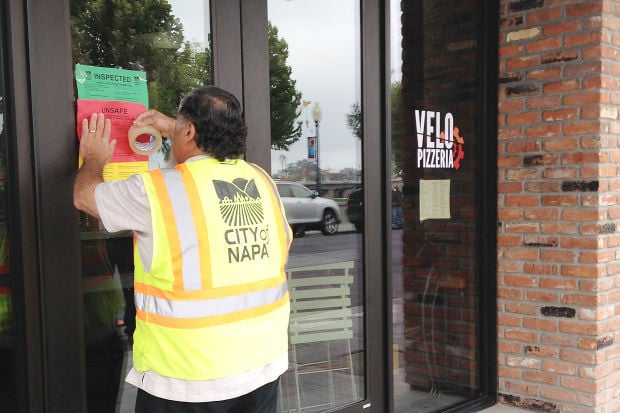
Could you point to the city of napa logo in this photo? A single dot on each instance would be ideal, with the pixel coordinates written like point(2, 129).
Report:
point(246, 235)
point(440, 144)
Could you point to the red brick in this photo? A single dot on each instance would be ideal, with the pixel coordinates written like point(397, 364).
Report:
point(540, 377)
point(544, 44)
point(521, 308)
point(544, 186)
point(509, 293)
point(581, 385)
point(561, 86)
point(581, 299)
point(509, 373)
point(560, 145)
point(522, 388)
point(558, 283)
point(509, 321)
point(578, 327)
point(559, 394)
point(557, 256)
point(558, 228)
point(547, 73)
point(584, 8)
point(554, 366)
point(522, 147)
point(541, 214)
point(581, 39)
point(521, 335)
point(511, 106)
point(577, 356)
point(543, 131)
point(541, 296)
point(510, 50)
point(545, 15)
point(542, 325)
point(560, 114)
point(510, 187)
point(583, 215)
point(562, 27)
point(559, 200)
point(585, 98)
point(581, 128)
point(522, 62)
point(581, 271)
point(522, 118)
point(568, 341)
point(555, 173)
point(522, 200)
point(519, 281)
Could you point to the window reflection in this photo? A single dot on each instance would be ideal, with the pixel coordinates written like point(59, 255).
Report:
point(435, 260)
point(170, 42)
point(316, 161)
point(8, 378)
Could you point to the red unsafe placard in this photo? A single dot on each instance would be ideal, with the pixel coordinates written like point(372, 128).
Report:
point(121, 114)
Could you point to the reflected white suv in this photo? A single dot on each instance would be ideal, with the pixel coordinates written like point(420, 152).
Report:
point(306, 210)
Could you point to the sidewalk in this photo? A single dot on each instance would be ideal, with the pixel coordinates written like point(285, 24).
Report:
point(500, 408)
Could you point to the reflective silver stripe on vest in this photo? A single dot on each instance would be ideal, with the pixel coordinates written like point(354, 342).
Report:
point(186, 229)
point(209, 307)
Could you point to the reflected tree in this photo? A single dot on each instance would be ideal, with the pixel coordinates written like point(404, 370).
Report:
point(285, 99)
point(145, 35)
point(355, 125)
point(138, 35)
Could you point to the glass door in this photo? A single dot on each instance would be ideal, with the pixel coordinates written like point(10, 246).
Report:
point(316, 159)
point(443, 251)
point(166, 44)
point(8, 373)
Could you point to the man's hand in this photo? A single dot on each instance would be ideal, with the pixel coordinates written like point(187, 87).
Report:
point(164, 124)
point(96, 150)
point(95, 145)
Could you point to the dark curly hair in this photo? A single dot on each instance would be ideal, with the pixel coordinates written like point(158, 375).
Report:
point(218, 119)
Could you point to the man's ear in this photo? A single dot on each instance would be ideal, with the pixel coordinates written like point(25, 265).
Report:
point(190, 132)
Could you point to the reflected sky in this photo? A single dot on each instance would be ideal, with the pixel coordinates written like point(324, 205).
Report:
point(323, 39)
point(324, 55)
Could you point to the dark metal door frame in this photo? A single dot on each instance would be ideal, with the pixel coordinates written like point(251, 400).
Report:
point(46, 239)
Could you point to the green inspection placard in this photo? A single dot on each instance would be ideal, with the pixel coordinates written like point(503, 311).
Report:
point(106, 83)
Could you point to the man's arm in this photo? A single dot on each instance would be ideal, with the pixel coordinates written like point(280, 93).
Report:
point(96, 150)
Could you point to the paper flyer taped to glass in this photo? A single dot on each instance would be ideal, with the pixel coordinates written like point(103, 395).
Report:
point(434, 199)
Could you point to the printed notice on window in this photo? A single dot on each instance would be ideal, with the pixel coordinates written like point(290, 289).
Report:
point(434, 199)
point(120, 95)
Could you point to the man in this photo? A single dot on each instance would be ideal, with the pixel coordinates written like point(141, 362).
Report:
point(211, 246)
point(397, 208)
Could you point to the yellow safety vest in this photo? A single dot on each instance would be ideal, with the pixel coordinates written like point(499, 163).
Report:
point(5, 291)
point(5, 309)
point(215, 301)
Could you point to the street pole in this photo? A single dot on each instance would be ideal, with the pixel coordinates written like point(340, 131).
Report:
point(316, 115)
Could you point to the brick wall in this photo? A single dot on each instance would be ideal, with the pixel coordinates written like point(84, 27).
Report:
point(558, 248)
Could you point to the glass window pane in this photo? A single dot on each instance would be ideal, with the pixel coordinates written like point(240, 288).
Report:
point(8, 378)
point(316, 141)
point(436, 144)
point(169, 42)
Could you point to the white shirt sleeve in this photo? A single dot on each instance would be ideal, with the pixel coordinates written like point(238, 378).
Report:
point(123, 205)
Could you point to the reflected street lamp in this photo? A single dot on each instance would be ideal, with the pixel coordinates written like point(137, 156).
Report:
point(316, 116)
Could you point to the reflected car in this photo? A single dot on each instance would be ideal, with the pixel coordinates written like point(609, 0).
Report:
point(355, 209)
point(306, 210)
